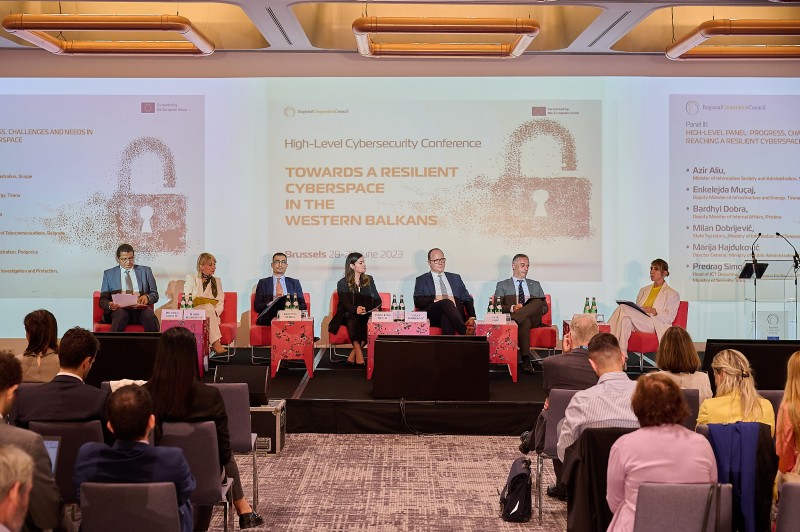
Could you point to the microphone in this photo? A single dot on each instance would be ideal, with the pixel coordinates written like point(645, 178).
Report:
point(796, 257)
point(753, 252)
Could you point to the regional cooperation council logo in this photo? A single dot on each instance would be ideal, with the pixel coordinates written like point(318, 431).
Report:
point(289, 112)
point(692, 107)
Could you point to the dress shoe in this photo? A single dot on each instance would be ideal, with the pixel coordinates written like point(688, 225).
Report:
point(556, 493)
point(527, 366)
point(523, 438)
point(250, 520)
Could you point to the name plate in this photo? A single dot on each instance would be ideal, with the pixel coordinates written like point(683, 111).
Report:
point(172, 314)
point(289, 315)
point(416, 317)
point(382, 317)
point(192, 314)
point(495, 319)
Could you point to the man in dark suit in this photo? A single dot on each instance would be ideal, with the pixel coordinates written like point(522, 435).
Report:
point(570, 370)
point(513, 295)
point(45, 508)
point(129, 278)
point(132, 459)
point(276, 285)
point(66, 397)
point(444, 297)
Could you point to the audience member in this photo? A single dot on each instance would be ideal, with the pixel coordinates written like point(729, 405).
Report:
point(678, 359)
point(45, 508)
point(736, 398)
point(570, 370)
point(787, 433)
point(16, 481)
point(66, 397)
point(40, 359)
point(132, 459)
point(179, 397)
point(606, 404)
point(662, 450)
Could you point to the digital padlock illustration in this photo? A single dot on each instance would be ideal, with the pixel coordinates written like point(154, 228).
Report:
point(556, 206)
point(155, 222)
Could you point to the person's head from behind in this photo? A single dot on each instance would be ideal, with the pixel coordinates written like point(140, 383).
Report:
point(41, 330)
point(676, 352)
point(604, 354)
point(658, 400)
point(174, 372)
point(733, 375)
point(10, 377)
point(582, 329)
point(129, 411)
point(77, 351)
point(16, 481)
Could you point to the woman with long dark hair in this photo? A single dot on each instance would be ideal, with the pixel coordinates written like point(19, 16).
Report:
point(179, 397)
point(40, 359)
point(357, 297)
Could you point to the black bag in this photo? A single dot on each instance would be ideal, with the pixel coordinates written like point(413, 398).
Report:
point(515, 499)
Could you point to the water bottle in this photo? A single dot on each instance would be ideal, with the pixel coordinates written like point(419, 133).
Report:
point(490, 307)
point(593, 310)
point(402, 309)
point(295, 304)
point(586, 307)
point(393, 308)
point(190, 304)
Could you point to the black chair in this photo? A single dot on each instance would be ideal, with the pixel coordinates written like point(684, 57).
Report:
point(667, 507)
point(129, 507)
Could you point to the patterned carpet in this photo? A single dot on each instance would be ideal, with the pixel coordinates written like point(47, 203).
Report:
point(389, 482)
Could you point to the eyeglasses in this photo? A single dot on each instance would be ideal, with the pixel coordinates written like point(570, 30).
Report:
point(438, 261)
point(126, 259)
point(279, 262)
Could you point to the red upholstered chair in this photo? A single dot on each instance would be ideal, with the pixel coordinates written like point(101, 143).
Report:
point(641, 343)
point(228, 324)
point(341, 337)
point(546, 335)
point(261, 335)
point(97, 317)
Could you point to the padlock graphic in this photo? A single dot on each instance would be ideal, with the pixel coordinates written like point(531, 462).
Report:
point(557, 206)
point(153, 223)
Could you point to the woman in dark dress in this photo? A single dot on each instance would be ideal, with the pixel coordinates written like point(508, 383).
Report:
point(179, 397)
point(357, 297)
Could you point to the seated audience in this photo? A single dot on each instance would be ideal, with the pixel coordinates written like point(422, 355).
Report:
point(40, 359)
point(45, 508)
point(179, 397)
point(606, 404)
point(736, 398)
point(132, 459)
point(16, 481)
point(787, 433)
point(662, 450)
point(206, 293)
point(678, 359)
point(66, 397)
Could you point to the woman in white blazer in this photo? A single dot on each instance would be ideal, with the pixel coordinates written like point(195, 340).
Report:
point(207, 294)
point(660, 302)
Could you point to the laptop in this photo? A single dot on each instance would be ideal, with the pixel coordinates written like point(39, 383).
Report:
point(52, 444)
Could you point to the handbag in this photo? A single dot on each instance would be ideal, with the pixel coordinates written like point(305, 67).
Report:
point(515, 499)
point(714, 494)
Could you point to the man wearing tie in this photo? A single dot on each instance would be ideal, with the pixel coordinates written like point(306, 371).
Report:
point(129, 279)
point(444, 297)
point(276, 285)
point(513, 294)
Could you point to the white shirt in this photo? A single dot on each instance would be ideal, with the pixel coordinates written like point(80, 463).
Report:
point(134, 279)
point(524, 288)
point(438, 287)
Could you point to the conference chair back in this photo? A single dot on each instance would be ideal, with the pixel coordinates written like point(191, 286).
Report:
point(788, 508)
point(546, 335)
point(773, 396)
point(97, 317)
point(129, 507)
point(683, 507)
point(73, 435)
point(693, 400)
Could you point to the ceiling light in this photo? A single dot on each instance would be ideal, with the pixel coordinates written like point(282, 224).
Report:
point(688, 46)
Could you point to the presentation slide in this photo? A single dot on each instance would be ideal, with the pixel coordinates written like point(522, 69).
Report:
point(592, 178)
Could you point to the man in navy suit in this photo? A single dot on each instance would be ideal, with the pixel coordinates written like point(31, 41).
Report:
point(130, 279)
point(444, 297)
point(275, 286)
point(132, 459)
point(66, 397)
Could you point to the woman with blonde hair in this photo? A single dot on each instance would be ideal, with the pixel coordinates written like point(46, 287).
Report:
point(678, 359)
point(40, 359)
point(206, 292)
point(787, 434)
point(736, 399)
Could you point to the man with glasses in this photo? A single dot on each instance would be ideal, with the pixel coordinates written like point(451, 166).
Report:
point(444, 297)
point(274, 286)
point(129, 278)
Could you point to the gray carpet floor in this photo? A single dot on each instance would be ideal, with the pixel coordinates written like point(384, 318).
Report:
point(389, 482)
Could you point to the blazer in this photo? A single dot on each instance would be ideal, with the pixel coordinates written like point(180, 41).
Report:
point(45, 509)
point(666, 304)
point(346, 301)
point(569, 371)
point(137, 462)
point(264, 293)
point(194, 286)
point(64, 398)
point(425, 293)
point(112, 284)
point(508, 292)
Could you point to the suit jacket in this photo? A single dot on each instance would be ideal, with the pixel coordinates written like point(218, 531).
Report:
point(112, 284)
point(508, 292)
point(368, 297)
point(45, 509)
point(425, 293)
point(666, 304)
point(64, 398)
point(137, 462)
point(193, 285)
point(569, 371)
point(265, 293)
